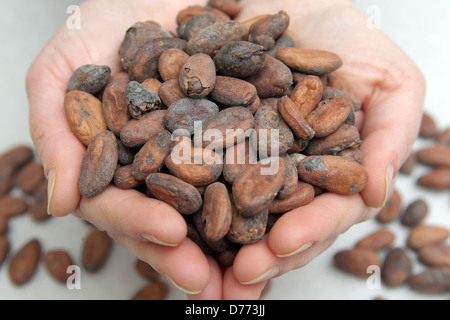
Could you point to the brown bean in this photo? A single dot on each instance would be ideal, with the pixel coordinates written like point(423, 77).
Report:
point(356, 261)
point(115, 109)
point(137, 132)
point(437, 155)
point(415, 213)
point(307, 94)
point(392, 209)
point(230, 92)
point(24, 262)
point(237, 159)
point(179, 194)
point(85, 115)
point(378, 240)
point(96, 249)
point(212, 38)
point(333, 173)
point(124, 179)
point(30, 176)
point(257, 186)
point(274, 79)
point(10, 162)
point(310, 61)
point(156, 290)
point(397, 267)
point(299, 126)
point(247, 230)
point(435, 255)
point(196, 166)
point(37, 206)
point(170, 63)
point(57, 263)
point(151, 156)
point(436, 179)
point(217, 211)
point(229, 7)
point(329, 115)
point(240, 59)
point(89, 78)
point(218, 245)
point(198, 76)
point(266, 30)
point(290, 180)
point(99, 164)
point(302, 195)
point(432, 280)
point(426, 235)
point(4, 248)
point(11, 206)
point(345, 137)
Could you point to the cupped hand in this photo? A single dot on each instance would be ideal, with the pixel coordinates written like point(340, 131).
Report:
point(152, 230)
point(391, 89)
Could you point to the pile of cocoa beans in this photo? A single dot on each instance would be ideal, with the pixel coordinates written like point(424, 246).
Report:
point(232, 124)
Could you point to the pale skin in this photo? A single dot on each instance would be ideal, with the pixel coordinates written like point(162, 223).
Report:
point(389, 84)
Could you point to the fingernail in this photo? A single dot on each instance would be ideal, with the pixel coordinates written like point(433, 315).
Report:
point(265, 276)
point(304, 247)
point(151, 238)
point(389, 177)
point(50, 187)
point(183, 289)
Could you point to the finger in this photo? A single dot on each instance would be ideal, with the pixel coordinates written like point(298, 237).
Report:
point(235, 290)
point(326, 217)
point(265, 265)
point(131, 213)
point(213, 290)
point(59, 151)
point(391, 124)
point(185, 265)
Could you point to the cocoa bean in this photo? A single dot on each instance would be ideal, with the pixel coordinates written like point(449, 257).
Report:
point(432, 280)
point(170, 63)
point(11, 206)
point(307, 94)
point(156, 290)
point(115, 109)
point(414, 213)
point(437, 179)
point(392, 209)
point(397, 267)
point(268, 29)
point(141, 100)
point(24, 262)
point(198, 76)
point(299, 126)
point(426, 235)
point(378, 240)
point(99, 164)
point(89, 78)
point(136, 133)
point(96, 249)
point(356, 261)
point(57, 262)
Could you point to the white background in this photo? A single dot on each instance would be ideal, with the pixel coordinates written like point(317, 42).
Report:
point(421, 28)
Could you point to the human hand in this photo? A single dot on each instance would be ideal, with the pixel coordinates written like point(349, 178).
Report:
point(150, 229)
point(392, 91)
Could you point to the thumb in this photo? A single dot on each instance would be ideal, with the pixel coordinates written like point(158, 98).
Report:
point(59, 151)
point(391, 123)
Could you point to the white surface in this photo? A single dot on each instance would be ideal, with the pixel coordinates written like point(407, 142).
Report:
point(420, 28)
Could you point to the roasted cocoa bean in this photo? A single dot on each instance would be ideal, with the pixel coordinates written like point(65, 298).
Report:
point(156, 290)
point(170, 63)
point(240, 59)
point(141, 100)
point(217, 211)
point(378, 240)
point(29, 177)
point(290, 180)
point(96, 249)
point(137, 132)
point(183, 113)
point(414, 213)
point(218, 245)
point(310, 61)
point(432, 280)
point(268, 29)
point(356, 261)
point(435, 255)
point(145, 63)
point(57, 263)
point(237, 159)
point(4, 248)
point(124, 179)
point(99, 164)
point(24, 262)
point(397, 268)
point(437, 155)
point(345, 137)
point(135, 37)
point(300, 196)
point(115, 109)
point(436, 179)
point(196, 166)
point(85, 115)
point(329, 115)
point(229, 7)
point(10, 162)
point(307, 94)
point(247, 230)
point(257, 186)
point(170, 91)
point(333, 173)
point(269, 124)
point(198, 76)
point(11, 206)
point(179, 194)
point(196, 24)
point(392, 209)
point(229, 92)
point(231, 126)
point(274, 79)
point(151, 156)
point(212, 38)
point(426, 235)
point(299, 126)
point(89, 78)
